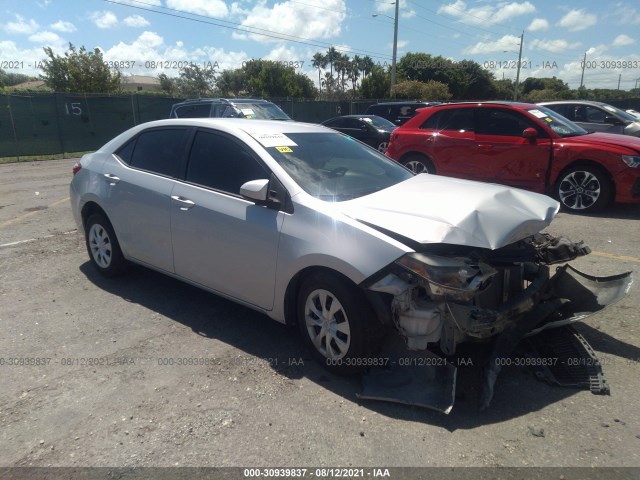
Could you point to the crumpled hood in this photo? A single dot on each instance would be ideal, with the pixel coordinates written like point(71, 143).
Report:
point(434, 209)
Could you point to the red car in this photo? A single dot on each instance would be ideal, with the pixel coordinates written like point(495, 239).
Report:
point(522, 145)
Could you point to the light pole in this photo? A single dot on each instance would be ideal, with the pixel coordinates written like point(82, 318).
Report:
point(515, 90)
point(395, 43)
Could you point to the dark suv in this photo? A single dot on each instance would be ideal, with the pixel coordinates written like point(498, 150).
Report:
point(228, 108)
point(397, 112)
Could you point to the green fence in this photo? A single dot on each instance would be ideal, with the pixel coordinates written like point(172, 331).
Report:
point(45, 124)
point(48, 124)
point(39, 124)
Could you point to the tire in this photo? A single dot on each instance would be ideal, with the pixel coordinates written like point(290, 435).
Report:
point(583, 189)
point(418, 164)
point(103, 247)
point(337, 323)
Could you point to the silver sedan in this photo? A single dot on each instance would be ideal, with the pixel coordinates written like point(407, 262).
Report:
point(316, 229)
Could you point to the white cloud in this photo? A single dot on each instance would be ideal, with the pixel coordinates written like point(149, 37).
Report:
point(136, 3)
point(627, 15)
point(486, 14)
point(209, 8)
point(62, 26)
point(388, 8)
point(577, 20)
point(9, 49)
point(623, 40)
point(47, 39)
point(554, 46)
point(507, 42)
point(20, 26)
point(104, 19)
point(295, 19)
point(538, 25)
point(153, 57)
point(136, 21)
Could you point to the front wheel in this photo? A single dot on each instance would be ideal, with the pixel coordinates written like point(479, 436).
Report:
point(337, 323)
point(583, 189)
point(103, 247)
point(418, 164)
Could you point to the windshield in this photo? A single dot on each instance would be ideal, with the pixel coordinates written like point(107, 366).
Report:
point(335, 167)
point(262, 111)
point(379, 122)
point(556, 122)
point(620, 113)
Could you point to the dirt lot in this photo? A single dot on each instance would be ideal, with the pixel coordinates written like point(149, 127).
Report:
point(148, 371)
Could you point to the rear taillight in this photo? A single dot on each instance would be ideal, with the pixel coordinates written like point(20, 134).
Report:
point(76, 167)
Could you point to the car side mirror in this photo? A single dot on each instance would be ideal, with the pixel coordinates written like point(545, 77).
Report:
point(257, 190)
point(530, 133)
point(611, 120)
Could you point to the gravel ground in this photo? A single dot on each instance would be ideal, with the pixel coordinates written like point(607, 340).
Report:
point(148, 371)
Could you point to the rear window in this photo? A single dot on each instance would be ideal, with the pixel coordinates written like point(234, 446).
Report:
point(194, 111)
point(459, 120)
point(159, 151)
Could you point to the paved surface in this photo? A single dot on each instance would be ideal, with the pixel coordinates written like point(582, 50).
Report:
point(118, 385)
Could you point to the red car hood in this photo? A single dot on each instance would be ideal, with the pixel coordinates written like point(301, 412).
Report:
point(435, 209)
point(604, 139)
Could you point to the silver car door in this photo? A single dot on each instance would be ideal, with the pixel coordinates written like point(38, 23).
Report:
point(139, 201)
point(220, 240)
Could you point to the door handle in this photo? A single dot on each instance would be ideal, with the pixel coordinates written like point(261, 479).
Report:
point(111, 178)
point(184, 203)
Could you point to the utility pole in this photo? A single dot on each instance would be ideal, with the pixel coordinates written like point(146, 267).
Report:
point(515, 90)
point(584, 63)
point(395, 47)
point(619, 78)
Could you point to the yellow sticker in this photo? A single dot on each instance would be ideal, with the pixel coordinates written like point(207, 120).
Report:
point(284, 149)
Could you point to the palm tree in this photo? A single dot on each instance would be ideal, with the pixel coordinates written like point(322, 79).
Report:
point(367, 65)
point(319, 61)
point(331, 56)
point(354, 72)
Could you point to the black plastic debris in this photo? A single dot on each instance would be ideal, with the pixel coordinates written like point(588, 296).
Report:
point(567, 359)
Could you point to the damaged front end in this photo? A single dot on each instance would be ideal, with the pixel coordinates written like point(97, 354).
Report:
point(446, 294)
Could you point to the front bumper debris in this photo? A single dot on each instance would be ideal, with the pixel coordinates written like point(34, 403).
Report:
point(545, 303)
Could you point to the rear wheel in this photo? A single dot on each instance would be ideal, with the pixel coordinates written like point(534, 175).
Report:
point(337, 323)
point(103, 247)
point(583, 189)
point(418, 164)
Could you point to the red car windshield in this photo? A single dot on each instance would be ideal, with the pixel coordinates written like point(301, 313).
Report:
point(556, 122)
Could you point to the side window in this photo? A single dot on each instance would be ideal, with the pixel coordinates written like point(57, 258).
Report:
point(459, 120)
point(567, 111)
point(336, 123)
point(494, 121)
point(160, 150)
point(216, 161)
point(595, 115)
point(126, 152)
point(353, 123)
point(194, 111)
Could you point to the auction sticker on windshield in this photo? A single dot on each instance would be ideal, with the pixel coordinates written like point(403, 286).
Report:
point(273, 140)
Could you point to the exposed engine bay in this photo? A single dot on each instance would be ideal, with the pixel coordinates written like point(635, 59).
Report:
point(444, 295)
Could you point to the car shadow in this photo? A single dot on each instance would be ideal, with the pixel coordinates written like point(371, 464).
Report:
point(517, 392)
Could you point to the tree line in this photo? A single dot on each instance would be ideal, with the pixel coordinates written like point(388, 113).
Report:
point(340, 77)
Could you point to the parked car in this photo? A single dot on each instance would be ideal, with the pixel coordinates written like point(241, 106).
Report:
point(522, 145)
point(369, 129)
point(228, 108)
point(312, 228)
point(397, 112)
point(597, 116)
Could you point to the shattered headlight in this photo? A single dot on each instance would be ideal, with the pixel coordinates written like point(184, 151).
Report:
point(632, 160)
point(448, 276)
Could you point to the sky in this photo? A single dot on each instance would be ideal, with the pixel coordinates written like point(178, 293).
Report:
point(149, 37)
